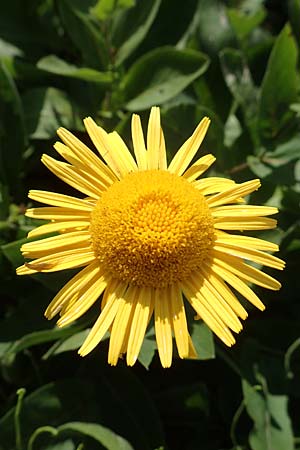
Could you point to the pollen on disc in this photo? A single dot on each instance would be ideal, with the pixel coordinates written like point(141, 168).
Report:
point(152, 228)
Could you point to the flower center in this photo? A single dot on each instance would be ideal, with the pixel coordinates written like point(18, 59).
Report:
point(152, 228)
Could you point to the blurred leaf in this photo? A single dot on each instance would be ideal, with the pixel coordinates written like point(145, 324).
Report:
point(279, 87)
point(85, 31)
point(12, 143)
point(243, 22)
point(47, 109)
point(58, 66)
point(103, 435)
point(283, 154)
point(105, 8)
point(160, 75)
point(131, 26)
point(272, 426)
point(128, 412)
point(8, 49)
point(232, 130)
point(294, 16)
point(239, 81)
point(214, 29)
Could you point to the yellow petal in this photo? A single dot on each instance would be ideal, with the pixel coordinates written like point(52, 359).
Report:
point(58, 226)
point(111, 155)
point(139, 324)
point(104, 321)
point(74, 239)
point(118, 146)
point(138, 141)
point(199, 167)
point(72, 288)
point(246, 242)
point(65, 201)
point(187, 151)
point(243, 270)
point(237, 284)
point(57, 213)
point(163, 329)
point(243, 211)
point(121, 323)
point(218, 303)
point(178, 316)
point(250, 254)
point(85, 300)
point(225, 292)
point(81, 181)
point(239, 223)
point(214, 322)
point(232, 194)
point(83, 154)
point(69, 259)
point(153, 139)
point(212, 185)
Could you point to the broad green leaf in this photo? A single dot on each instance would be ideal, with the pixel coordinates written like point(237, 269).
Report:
point(148, 349)
point(12, 142)
point(69, 343)
point(47, 109)
point(279, 87)
point(131, 26)
point(272, 425)
point(160, 75)
point(203, 340)
point(85, 31)
point(40, 337)
point(101, 434)
point(58, 66)
point(239, 81)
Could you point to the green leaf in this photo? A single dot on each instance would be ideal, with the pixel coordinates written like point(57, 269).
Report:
point(243, 22)
point(160, 75)
point(47, 109)
point(40, 337)
point(85, 31)
point(101, 434)
point(55, 65)
point(104, 9)
point(129, 412)
point(239, 81)
point(203, 340)
point(131, 26)
point(279, 87)
point(12, 143)
point(70, 343)
point(272, 426)
point(148, 348)
point(294, 16)
point(214, 29)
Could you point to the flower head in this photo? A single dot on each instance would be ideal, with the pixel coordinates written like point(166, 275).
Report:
point(150, 237)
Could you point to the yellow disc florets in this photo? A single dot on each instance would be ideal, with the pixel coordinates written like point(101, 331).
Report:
point(152, 228)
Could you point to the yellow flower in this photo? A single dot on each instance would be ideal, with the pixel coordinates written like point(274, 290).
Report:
point(147, 234)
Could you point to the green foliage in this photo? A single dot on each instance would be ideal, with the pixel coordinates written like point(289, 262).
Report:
point(236, 61)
